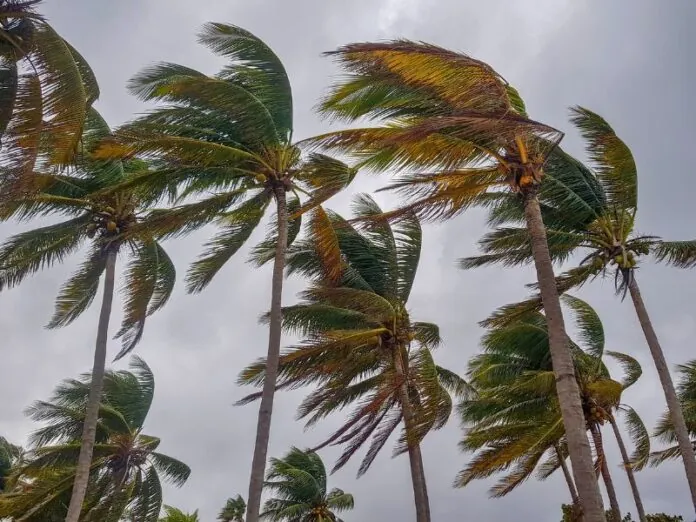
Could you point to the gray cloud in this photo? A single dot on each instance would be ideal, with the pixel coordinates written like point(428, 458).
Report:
point(627, 60)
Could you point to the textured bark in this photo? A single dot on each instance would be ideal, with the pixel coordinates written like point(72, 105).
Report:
point(606, 475)
point(89, 431)
point(566, 385)
point(675, 411)
point(263, 427)
point(629, 470)
point(420, 490)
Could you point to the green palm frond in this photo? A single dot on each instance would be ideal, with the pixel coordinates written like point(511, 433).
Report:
point(66, 92)
point(681, 254)
point(28, 252)
point(149, 283)
point(79, 291)
point(255, 67)
point(639, 436)
point(171, 469)
point(616, 168)
point(590, 328)
point(630, 366)
point(237, 225)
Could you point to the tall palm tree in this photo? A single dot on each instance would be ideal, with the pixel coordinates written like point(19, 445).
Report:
point(514, 419)
point(172, 514)
point(230, 135)
point(362, 348)
point(300, 492)
point(460, 132)
point(234, 510)
point(126, 470)
point(46, 90)
point(608, 243)
point(97, 211)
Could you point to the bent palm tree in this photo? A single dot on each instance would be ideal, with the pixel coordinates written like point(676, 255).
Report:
point(234, 510)
point(126, 470)
point(230, 135)
point(98, 213)
point(46, 90)
point(464, 134)
point(362, 348)
point(608, 242)
point(515, 419)
point(300, 493)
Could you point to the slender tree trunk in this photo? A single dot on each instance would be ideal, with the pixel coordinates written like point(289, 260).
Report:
point(89, 431)
point(263, 427)
point(420, 490)
point(577, 512)
point(568, 477)
point(606, 475)
point(629, 469)
point(675, 411)
point(566, 385)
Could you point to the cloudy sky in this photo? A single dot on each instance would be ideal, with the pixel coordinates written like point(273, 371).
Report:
point(626, 59)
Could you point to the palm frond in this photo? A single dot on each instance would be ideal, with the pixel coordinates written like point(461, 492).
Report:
point(681, 254)
point(255, 67)
point(26, 253)
point(149, 283)
point(237, 225)
point(639, 436)
point(616, 168)
point(77, 294)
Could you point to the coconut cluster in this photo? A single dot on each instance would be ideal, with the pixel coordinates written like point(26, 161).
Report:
point(106, 221)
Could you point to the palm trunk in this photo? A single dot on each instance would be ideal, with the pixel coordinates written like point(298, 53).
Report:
point(263, 427)
point(566, 385)
point(420, 490)
point(629, 470)
point(89, 431)
point(675, 411)
point(568, 477)
point(606, 475)
point(577, 512)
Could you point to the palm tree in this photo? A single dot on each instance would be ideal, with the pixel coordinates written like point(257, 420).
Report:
point(665, 432)
point(461, 133)
point(172, 514)
point(10, 456)
point(230, 135)
point(362, 348)
point(126, 469)
point(515, 420)
point(97, 210)
point(46, 90)
point(234, 510)
point(298, 483)
point(608, 242)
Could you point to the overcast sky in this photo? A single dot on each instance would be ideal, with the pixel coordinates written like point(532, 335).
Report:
point(629, 60)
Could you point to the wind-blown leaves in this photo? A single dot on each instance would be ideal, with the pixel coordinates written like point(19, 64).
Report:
point(298, 485)
point(126, 468)
point(615, 167)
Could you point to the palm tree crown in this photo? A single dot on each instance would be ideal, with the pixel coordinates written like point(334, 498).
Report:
point(514, 419)
point(126, 470)
point(46, 90)
point(97, 210)
point(361, 343)
point(300, 491)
